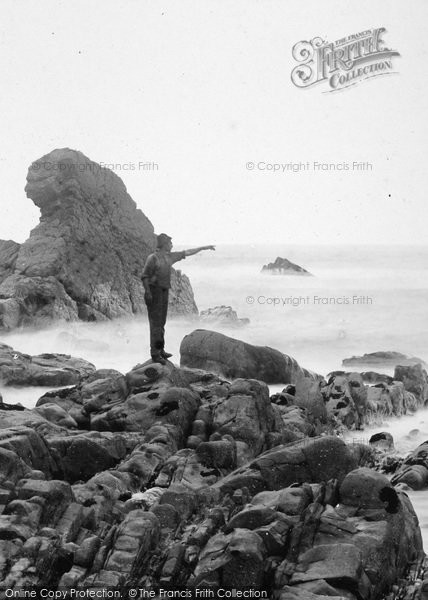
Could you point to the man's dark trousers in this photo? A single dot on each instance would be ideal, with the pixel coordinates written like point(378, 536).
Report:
point(157, 311)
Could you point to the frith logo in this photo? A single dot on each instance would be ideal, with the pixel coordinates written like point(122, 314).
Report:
point(344, 62)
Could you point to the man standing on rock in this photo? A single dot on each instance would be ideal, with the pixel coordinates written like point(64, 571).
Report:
point(157, 281)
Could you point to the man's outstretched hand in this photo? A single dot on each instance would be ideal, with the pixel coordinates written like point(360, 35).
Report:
point(192, 251)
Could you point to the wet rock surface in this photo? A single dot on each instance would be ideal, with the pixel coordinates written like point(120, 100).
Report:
point(169, 477)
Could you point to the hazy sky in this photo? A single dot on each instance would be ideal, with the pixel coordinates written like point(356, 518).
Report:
point(203, 87)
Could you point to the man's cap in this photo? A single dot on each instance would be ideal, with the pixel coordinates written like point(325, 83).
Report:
point(162, 238)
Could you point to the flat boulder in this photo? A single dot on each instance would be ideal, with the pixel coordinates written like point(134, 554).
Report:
point(54, 370)
point(232, 358)
point(382, 359)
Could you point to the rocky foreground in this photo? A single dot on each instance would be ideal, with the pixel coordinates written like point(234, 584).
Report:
point(168, 477)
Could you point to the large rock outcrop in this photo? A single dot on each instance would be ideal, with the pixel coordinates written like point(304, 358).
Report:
point(85, 258)
point(231, 358)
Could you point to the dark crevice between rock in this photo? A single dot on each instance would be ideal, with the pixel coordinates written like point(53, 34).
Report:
point(389, 495)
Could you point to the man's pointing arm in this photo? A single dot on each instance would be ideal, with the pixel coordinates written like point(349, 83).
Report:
point(192, 251)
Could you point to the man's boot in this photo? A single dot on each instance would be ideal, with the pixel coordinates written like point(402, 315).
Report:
point(158, 358)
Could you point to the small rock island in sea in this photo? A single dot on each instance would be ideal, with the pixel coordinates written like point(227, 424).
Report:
point(283, 266)
point(223, 316)
point(177, 477)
